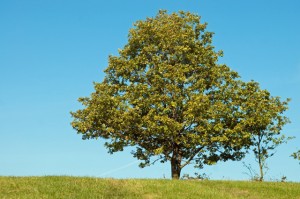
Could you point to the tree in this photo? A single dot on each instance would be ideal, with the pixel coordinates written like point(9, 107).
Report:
point(167, 97)
point(265, 121)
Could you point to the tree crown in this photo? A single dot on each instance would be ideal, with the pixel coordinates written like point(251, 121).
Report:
point(166, 94)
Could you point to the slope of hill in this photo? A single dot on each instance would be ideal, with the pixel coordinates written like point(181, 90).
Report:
point(86, 187)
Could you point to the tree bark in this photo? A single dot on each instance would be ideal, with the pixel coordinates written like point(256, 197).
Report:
point(175, 170)
point(176, 163)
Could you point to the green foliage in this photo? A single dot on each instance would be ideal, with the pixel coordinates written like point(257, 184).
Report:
point(296, 155)
point(55, 187)
point(166, 95)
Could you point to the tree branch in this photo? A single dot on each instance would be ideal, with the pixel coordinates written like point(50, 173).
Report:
point(191, 157)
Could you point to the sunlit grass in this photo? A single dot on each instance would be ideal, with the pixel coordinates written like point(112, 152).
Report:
point(84, 187)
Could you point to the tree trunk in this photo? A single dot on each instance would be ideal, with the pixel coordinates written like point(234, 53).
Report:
point(176, 163)
point(260, 159)
point(261, 169)
point(175, 170)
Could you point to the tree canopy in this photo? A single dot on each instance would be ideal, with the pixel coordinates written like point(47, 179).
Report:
point(167, 96)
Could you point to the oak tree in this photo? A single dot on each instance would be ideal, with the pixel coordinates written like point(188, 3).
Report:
point(167, 97)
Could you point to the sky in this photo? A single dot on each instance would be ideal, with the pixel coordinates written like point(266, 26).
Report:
point(52, 51)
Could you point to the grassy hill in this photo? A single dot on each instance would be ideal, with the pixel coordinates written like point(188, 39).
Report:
point(83, 187)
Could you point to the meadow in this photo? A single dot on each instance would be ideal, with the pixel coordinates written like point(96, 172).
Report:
point(88, 187)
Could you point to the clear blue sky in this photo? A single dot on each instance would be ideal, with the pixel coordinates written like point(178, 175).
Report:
point(52, 51)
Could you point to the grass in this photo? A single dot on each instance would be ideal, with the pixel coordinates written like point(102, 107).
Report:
point(84, 187)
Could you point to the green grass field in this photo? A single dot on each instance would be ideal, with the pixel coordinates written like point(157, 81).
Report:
point(84, 187)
